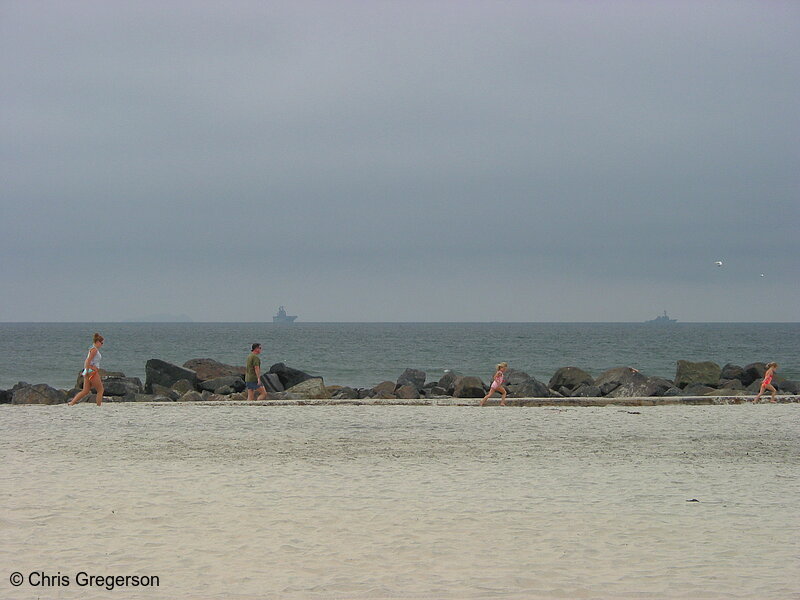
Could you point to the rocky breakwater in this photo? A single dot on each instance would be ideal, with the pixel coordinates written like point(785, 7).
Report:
point(204, 379)
point(116, 388)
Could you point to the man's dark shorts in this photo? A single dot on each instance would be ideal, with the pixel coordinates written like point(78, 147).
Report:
point(253, 385)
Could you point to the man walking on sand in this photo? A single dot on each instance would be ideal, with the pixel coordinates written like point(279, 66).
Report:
point(252, 374)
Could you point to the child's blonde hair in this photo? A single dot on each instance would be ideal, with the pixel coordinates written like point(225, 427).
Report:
point(772, 365)
point(502, 365)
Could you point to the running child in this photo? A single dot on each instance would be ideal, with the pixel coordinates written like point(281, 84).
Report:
point(767, 383)
point(497, 384)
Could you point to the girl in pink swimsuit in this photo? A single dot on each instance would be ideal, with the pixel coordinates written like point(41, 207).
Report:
point(497, 384)
point(767, 383)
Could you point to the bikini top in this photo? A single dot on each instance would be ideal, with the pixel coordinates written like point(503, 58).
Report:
point(95, 362)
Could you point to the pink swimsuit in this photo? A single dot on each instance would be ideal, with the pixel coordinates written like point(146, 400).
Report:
point(767, 379)
point(498, 380)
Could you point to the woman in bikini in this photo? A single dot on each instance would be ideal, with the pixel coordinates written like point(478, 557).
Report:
point(91, 373)
point(497, 384)
point(767, 383)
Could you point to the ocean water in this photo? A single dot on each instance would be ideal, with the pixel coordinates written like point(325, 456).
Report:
point(364, 354)
point(366, 502)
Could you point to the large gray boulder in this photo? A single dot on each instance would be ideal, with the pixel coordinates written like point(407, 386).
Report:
point(121, 386)
point(182, 386)
point(731, 384)
point(288, 376)
point(407, 391)
point(5, 396)
point(673, 392)
point(192, 396)
point(586, 391)
point(754, 372)
point(272, 383)
point(529, 388)
point(640, 386)
point(514, 377)
point(697, 389)
point(313, 388)
point(346, 393)
point(208, 368)
point(166, 374)
point(385, 389)
point(788, 386)
point(233, 382)
point(731, 371)
point(468, 387)
point(705, 373)
point(610, 380)
point(39, 393)
point(571, 378)
point(448, 381)
point(413, 377)
point(160, 390)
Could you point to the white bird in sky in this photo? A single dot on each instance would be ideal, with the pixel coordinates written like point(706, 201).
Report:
point(718, 263)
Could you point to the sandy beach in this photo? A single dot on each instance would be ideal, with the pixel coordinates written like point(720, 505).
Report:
point(403, 501)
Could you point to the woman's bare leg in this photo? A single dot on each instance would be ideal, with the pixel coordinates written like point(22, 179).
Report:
point(83, 393)
point(98, 386)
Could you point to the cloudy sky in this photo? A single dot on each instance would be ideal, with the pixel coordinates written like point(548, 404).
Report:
point(399, 161)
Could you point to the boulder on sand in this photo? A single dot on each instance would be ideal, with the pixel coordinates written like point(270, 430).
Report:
point(272, 383)
point(235, 382)
point(618, 376)
point(40, 393)
point(448, 381)
point(313, 388)
point(514, 377)
point(345, 393)
point(731, 371)
point(166, 374)
point(753, 372)
point(413, 377)
point(697, 389)
point(468, 387)
point(571, 378)
point(586, 391)
point(121, 386)
point(640, 386)
point(182, 386)
point(208, 368)
point(529, 388)
point(385, 389)
point(407, 391)
point(705, 373)
point(288, 376)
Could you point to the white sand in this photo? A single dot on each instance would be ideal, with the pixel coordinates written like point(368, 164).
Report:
point(404, 502)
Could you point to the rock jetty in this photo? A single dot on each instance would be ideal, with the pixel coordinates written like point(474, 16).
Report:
point(207, 380)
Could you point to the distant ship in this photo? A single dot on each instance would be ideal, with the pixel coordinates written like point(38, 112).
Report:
point(282, 317)
point(662, 320)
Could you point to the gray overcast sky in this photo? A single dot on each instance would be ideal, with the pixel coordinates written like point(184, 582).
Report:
point(400, 161)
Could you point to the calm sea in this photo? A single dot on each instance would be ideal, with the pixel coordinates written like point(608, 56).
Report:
point(363, 354)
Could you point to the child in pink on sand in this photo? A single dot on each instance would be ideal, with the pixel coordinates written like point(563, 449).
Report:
point(497, 384)
point(767, 383)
